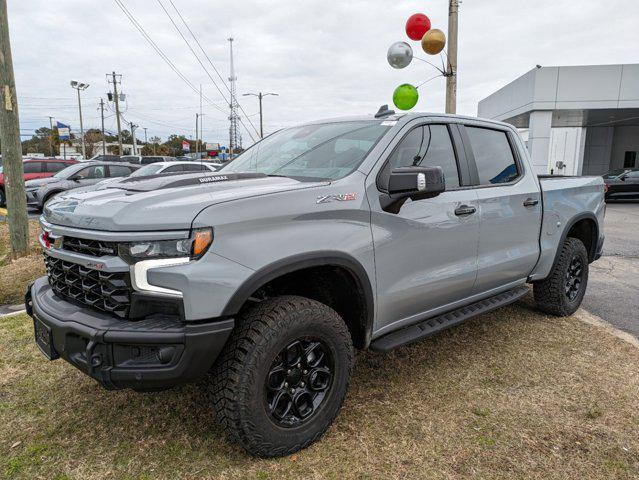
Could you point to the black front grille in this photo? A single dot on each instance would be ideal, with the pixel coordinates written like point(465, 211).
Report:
point(105, 291)
point(95, 248)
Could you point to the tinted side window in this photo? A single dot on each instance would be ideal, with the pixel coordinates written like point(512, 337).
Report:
point(97, 171)
point(426, 146)
point(493, 156)
point(194, 168)
point(119, 171)
point(173, 169)
point(33, 167)
point(53, 167)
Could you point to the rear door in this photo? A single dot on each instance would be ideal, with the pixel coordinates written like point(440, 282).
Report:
point(34, 170)
point(425, 254)
point(509, 206)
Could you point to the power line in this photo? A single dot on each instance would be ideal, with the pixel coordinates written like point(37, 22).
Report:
point(215, 69)
point(159, 51)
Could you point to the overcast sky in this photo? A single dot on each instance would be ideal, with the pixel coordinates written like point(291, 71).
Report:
point(324, 58)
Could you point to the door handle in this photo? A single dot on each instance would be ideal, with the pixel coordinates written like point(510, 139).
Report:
point(465, 210)
point(530, 202)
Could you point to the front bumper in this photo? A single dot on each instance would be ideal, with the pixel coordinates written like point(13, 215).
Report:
point(32, 199)
point(148, 354)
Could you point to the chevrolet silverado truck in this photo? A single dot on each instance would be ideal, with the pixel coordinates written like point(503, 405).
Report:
point(262, 279)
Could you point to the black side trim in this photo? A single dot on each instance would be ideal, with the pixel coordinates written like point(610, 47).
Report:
point(299, 262)
point(595, 236)
point(433, 325)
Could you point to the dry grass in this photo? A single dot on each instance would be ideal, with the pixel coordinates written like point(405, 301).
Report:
point(512, 394)
point(15, 275)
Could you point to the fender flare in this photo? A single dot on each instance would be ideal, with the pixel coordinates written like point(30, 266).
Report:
point(298, 262)
point(571, 223)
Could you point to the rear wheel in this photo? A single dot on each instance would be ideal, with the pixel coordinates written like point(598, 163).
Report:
point(562, 292)
point(283, 375)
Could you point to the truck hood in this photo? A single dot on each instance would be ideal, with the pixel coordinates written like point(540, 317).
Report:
point(162, 202)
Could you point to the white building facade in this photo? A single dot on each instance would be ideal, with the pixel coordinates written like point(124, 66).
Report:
point(581, 120)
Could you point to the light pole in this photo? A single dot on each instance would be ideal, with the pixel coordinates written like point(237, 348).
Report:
point(260, 95)
point(80, 86)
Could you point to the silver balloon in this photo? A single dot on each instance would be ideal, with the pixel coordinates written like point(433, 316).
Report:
point(399, 54)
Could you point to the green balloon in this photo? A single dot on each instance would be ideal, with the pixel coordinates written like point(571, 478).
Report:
point(405, 96)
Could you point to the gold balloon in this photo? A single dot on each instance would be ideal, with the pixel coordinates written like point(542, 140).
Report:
point(433, 41)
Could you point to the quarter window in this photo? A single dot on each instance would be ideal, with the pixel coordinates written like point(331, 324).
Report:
point(426, 146)
point(493, 156)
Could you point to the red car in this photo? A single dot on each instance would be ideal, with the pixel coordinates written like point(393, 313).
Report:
point(36, 168)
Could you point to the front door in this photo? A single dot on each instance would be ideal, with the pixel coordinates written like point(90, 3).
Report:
point(426, 254)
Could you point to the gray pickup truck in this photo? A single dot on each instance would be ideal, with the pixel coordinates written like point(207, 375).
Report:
point(262, 279)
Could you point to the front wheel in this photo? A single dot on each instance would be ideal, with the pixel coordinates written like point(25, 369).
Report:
point(3, 200)
point(283, 375)
point(563, 290)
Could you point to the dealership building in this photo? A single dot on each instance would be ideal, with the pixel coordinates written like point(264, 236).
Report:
point(581, 120)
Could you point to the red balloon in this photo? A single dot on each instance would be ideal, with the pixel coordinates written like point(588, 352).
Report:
point(417, 25)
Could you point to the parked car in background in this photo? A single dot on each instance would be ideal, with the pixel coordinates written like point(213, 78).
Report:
point(40, 191)
point(34, 169)
point(152, 169)
point(135, 159)
point(622, 184)
point(106, 158)
point(156, 159)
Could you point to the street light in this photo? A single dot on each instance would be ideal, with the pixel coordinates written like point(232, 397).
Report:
point(80, 86)
point(260, 95)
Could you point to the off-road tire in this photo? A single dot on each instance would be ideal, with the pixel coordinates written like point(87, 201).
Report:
point(236, 383)
point(549, 293)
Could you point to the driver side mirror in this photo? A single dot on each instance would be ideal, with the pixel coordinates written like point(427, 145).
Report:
point(415, 183)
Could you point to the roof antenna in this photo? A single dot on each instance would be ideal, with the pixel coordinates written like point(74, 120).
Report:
point(384, 112)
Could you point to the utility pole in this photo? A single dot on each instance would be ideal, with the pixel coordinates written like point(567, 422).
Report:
point(135, 145)
point(51, 137)
point(260, 95)
point(451, 71)
point(197, 132)
point(80, 86)
point(16, 198)
point(102, 117)
point(116, 99)
point(234, 137)
point(146, 140)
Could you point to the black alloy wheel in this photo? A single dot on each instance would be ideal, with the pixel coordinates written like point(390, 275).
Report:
point(299, 378)
point(574, 278)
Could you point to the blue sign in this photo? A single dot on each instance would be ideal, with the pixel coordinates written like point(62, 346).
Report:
point(64, 131)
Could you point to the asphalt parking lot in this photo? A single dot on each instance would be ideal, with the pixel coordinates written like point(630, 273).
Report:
point(613, 286)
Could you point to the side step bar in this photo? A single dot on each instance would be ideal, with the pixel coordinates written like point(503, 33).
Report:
point(435, 324)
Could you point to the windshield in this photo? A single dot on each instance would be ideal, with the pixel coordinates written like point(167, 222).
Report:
point(614, 173)
point(149, 169)
point(67, 172)
point(312, 152)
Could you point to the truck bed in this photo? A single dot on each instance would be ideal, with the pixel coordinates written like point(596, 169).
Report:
point(566, 200)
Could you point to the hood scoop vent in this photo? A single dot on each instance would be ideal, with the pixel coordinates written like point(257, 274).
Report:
point(158, 182)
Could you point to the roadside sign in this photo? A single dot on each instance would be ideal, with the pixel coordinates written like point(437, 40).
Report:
point(186, 146)
point(64, 131)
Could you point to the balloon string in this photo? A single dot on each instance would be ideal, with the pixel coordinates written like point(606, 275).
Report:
point(431, 64)
point(432, 78)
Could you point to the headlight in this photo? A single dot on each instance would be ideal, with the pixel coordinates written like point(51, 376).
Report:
point(194, 247)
